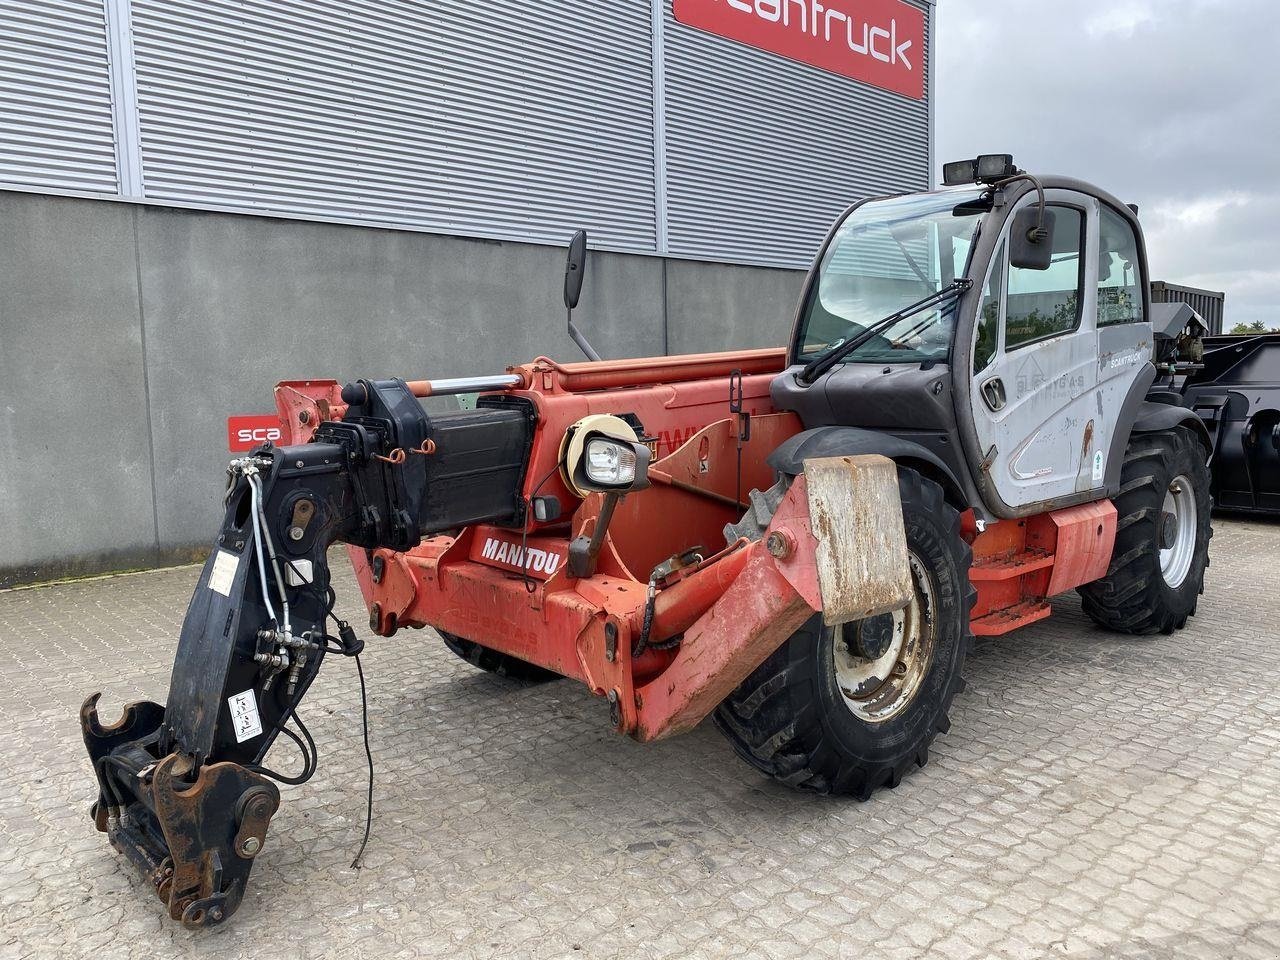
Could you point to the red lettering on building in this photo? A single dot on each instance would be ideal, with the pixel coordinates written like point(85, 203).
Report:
point(880, 42)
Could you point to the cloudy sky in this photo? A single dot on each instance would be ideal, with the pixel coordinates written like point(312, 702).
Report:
point(1170, 104)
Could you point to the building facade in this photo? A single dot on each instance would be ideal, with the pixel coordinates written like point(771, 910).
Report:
point(502, 119)
point(201, 197)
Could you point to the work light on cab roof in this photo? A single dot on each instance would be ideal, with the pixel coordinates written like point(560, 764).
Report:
point(987, 168)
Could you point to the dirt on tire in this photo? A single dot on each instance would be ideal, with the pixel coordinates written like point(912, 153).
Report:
point(788, 718)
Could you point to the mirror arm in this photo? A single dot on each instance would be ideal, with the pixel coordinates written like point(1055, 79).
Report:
point(574, 272)
point(583, 344)
point(1040, 234)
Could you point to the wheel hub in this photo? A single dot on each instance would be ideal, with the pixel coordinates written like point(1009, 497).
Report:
point(1177, 533)
point(869, 639)
point(881, 662)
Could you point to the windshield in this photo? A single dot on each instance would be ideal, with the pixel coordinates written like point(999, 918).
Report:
point(887, 255)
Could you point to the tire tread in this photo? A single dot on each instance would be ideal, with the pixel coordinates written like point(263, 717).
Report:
point(792, 744)
point(1132, 597)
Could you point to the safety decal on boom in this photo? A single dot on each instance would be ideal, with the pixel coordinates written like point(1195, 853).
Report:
point(244, 716)
point(223, 574)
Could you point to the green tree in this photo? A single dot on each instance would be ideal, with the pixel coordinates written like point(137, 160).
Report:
point(1256, 327)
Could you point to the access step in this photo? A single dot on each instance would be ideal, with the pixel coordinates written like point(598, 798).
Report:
point(1008, 568)
point(999, 622)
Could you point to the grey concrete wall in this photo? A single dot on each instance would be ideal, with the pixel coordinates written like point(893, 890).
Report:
point(75, 454)
point(128, 334)
point(716, 306)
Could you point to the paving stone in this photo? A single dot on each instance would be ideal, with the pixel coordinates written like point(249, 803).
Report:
point(1097, 797)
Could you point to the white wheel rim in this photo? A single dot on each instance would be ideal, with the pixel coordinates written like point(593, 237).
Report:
point(1179, 511)
point(876, 690)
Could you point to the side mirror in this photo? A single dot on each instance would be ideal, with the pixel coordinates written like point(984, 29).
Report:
point(575, 269)
point(1030, 245)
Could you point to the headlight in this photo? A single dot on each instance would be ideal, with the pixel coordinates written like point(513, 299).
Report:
point(602, 454)
point(610, 463)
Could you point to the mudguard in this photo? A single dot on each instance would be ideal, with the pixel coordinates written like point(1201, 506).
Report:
point(1155, 417)
point(836, 441)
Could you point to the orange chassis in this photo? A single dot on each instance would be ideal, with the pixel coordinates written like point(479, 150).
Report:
point(511, 590)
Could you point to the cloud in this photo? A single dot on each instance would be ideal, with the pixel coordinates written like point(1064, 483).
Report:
point(1229, 243)
point(1120, 19)
point(1174, 106)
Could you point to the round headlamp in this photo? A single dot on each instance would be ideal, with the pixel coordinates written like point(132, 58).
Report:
point(602, 454)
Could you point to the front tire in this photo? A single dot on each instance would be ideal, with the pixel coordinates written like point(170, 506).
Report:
point(1157, 569)
point(848, 709)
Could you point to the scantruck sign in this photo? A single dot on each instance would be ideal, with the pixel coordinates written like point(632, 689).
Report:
point(246, 432)
point(880, 42)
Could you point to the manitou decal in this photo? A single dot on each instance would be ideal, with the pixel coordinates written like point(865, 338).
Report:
point(245, 433)
point(880, 42)
point(536, 561)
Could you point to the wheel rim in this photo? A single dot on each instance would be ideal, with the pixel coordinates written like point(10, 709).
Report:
point(881, 662)
point(1178, 525)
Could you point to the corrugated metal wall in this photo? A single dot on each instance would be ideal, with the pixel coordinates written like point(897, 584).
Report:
point(763, 153)
point(493, 119)
point(508, 119)
point(55, 96)
point(1209, 304)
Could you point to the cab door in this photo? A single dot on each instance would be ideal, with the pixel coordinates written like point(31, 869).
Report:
point(1035, 369)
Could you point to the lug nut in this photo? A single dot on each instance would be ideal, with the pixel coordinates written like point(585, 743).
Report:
point(778, 545)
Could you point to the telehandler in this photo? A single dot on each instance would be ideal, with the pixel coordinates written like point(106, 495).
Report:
point(798, 542)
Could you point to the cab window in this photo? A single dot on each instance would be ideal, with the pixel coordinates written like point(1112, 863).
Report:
point(1046, 303)
point(987, 335)
point(1119, 280)
point(886, 255)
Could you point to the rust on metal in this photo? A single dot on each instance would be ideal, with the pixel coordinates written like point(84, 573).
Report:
point(137, 719)
point(303, 405)
point(304, 511)
point(658, 476)
point(856, 517)
point(1084, 477)
point(765, 602)
point(208, 826)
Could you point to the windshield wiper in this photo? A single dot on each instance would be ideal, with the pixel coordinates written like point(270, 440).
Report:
point(821, 364)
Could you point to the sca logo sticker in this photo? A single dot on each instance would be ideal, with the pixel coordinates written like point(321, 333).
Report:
point(245, 433)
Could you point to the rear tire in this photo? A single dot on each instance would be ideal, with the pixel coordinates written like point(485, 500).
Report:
point(491, 661)
point(1157, 570)
point(822, 713)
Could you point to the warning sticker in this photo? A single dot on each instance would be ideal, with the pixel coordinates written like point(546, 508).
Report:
point(223, 574)
point(244, 716)
point(1098, 472)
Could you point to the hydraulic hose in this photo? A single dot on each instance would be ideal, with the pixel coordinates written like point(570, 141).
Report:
point(255, 513)
point(275, 563)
